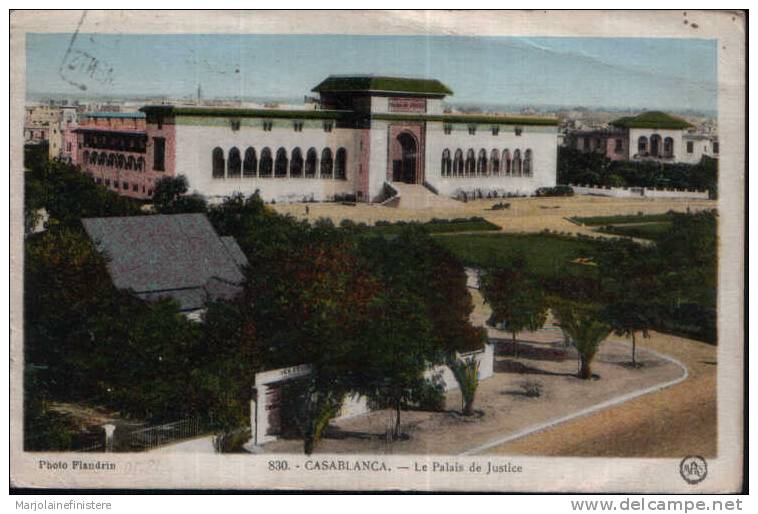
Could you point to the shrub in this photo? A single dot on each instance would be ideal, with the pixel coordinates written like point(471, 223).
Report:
point(232, 441)
point(555, 191)
point(429, 395)
point(500, 206)
point(531, 388)
point(466, 373)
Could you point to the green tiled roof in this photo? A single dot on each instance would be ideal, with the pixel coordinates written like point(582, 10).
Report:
point(234, 112)
point(469, 118)
point(651, 119)
point(378, 84)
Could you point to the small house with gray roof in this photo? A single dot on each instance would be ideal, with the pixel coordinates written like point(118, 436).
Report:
point(178, 256)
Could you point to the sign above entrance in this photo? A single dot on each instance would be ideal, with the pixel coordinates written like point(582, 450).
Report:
point(407, 104)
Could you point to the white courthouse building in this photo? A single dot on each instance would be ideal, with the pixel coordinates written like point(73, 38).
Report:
point(363, 134)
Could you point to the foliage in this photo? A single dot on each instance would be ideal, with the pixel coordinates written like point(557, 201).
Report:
point(624, 219)
point(429, 395)
point(435, 226)
point(555, 191)
point(103, 346)
point(515, 295)
point(645, 231)
point(232, 441)
point(68, 195)
point(531, 388)
point(466, 373)
point(577, 167)
point(169, 197)
point(587, 332)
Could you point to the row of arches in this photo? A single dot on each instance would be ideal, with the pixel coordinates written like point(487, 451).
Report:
point(113, 160)
point(280, 165)
point(654, 148)
point(496, 163)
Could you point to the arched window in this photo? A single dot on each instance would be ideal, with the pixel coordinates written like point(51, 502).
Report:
point(296, 164)
point(481, 162)
point(311, 162)
point(495, 162)
point(218, 163)
point(326, 163)
point(93, 158)
point(267, 163)
point(250, 164)
point(102, 158)
point(340, 164)
point(516, 163)
point(470, 162)
point(528, 163)
point(458, 163)
point(507, 164)
point(446, 163)
point(234, 163)
point(120, 162)
point(668, 147)
point(85, 157)
point(111, 161)
point(130, 163)
point(140, 163)
point(280, 168)
point(655, 145)
point(642, 145)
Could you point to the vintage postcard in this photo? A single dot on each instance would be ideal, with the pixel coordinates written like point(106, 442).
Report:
point(376, 250)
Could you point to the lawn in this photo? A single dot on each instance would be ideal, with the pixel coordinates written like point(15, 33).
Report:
point(547, 253)
point(646, 230)
point(435, 227)
point(619, 219)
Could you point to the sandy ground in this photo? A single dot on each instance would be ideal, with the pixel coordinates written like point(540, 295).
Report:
point(678, 421)
point(524, 214)
point(503, 406)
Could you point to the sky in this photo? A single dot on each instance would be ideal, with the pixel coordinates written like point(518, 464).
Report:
point(625, 73)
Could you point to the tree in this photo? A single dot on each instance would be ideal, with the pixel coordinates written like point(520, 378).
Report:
point(587, 331)
point(633, 289)
point(422, 316)
point(515, 296)
point(68, 195)
point(169, 197)
point(466, 373)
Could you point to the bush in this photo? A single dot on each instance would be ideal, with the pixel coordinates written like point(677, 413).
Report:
point(232, 441)
point(555, 191)
point(531, 388)
point(500, 206)
point(429, 395)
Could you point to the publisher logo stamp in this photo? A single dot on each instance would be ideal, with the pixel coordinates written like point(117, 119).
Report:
point(693, 469)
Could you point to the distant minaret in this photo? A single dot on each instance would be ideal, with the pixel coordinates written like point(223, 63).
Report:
point(199, 93)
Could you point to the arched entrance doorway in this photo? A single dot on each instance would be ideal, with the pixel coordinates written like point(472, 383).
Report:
point(404, 168)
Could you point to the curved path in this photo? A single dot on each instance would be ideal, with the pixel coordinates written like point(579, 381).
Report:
point(673, 422)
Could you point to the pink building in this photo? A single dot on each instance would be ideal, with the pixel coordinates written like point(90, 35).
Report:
point(612, 143)
point(116, 149)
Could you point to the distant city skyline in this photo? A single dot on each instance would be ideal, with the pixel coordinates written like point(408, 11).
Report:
point(621, 73)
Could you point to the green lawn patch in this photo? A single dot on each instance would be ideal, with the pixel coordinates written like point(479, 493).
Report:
point(435, 226)
point(624, 218)
point(652, 231)
point(547, 253)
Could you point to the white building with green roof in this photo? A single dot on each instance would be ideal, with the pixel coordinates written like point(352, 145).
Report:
point(651, 135)
point(362, 135)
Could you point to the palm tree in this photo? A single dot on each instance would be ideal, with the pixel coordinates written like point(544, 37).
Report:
point(587, 332)
point(466, 373)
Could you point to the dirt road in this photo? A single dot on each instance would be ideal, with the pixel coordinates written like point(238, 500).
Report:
point(674, 422)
